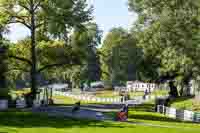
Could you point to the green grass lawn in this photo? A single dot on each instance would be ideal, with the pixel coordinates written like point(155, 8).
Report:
point(160, 119)
point(145, 113)
point(67, 100)
point(111, 94)
point(160, 92)
point(23, 122)
point(186, 103)
point(107, 94)
point(156, 93)
point(63, 100)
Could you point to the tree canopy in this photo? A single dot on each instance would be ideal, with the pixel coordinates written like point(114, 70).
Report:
point(120, 56)
point(168, 31)
point(50, 18)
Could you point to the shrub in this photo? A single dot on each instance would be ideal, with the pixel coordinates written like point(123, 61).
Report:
point(4, 93)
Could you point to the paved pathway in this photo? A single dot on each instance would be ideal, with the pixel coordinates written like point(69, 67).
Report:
point(90, 114)
point(93, 112)
point(65, 111)
point(90, 111)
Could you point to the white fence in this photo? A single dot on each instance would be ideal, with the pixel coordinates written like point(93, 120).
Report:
point(90, 98)
point(184, 115)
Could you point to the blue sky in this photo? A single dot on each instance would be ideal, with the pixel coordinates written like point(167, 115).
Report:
point(107, 14)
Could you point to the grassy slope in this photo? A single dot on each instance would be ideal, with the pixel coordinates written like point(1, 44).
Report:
point(155, 118)
point(107, 94)
point(19, 122)
point(111, 93)
point(145, 113)
point(61, 100)
point(186, 103)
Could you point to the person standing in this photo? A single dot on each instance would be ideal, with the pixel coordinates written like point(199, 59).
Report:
point(125, 109)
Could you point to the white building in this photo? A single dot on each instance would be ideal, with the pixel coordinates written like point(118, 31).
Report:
point(140, 86)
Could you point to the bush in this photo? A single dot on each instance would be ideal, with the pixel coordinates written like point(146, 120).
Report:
point(11, 102)
point(4, 93)
point(29, 99)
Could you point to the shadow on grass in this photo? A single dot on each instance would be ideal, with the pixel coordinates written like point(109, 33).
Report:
point(151, 117)
point(181, 99)
point(150, 107)
point(29, 120)
point(144, 108)
point(155, 117)
point(93, 106)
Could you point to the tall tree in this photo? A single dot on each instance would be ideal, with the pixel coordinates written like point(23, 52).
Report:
point(3, 65)
point(120, 56)
point(56, 16)
point(167, 32)
point(88, 41)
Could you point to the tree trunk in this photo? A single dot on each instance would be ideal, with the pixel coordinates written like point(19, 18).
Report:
point(33, 54)
point(186, 85)
point(173, 90)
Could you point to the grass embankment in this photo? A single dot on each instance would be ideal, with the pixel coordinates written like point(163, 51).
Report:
point(155, 93)
point(63, 100)
point(104, 94)
point(23, 122)
point(107, 94)
point(186, 103)
point(145, 114)
point(132, 94)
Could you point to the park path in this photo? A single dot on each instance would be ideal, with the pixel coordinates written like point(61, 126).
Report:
point(94, 112)
point(65, 112)
point(89, 111)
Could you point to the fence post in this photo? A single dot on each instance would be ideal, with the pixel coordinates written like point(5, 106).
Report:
point(163, 107)
point(158, 108)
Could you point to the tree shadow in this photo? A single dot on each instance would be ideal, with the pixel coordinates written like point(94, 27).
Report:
point(144, 108)
point(30, 120)
point(157, 117)
point(181, 99)
point(94, 106)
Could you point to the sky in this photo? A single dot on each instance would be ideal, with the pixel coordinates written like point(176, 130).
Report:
point(107, 14)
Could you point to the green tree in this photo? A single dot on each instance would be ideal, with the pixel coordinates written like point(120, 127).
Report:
point(120, 56)
point(56, 17)
point(62, 56)
point(3, 66)
point(87, 41)
point(167, 32)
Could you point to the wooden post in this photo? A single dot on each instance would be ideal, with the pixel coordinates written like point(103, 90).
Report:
point(47, 94)
point(44, 95)
point(51, 93)
point(163, 109)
